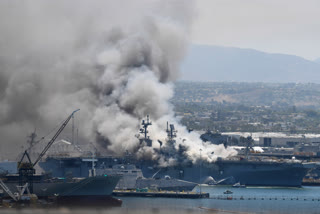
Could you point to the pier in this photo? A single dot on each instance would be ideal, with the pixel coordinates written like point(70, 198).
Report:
point(269, 198)
point(163, 194)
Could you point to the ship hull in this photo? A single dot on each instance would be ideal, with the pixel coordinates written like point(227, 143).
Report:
point(247, 173)
point(92, 186)
point(255, 173)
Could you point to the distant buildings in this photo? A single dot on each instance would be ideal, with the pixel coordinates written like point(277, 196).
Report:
point(301, 144)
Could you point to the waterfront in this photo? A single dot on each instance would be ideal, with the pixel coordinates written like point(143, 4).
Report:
point(254, 200)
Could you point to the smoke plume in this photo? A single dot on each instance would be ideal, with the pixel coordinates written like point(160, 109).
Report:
point(115, 60)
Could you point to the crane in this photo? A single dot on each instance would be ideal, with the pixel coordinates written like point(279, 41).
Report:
point(26, 169)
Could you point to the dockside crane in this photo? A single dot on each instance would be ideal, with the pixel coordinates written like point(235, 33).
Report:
point(26, 169)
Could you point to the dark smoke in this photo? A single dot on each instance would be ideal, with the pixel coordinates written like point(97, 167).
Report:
point(57, 56)
point(115, 60)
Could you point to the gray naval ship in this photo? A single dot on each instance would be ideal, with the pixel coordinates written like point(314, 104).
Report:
point(132, 178)
point(256, 172)
point(247, 171)
point(43, 186)
point(22, 174)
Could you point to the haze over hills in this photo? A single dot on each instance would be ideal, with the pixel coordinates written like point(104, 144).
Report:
point(317, 60)
point(217, 63)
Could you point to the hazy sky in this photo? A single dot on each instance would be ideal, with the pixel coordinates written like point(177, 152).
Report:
point(279, 26)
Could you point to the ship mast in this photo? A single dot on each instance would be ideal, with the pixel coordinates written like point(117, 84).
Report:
point(145, 125)
point(144, 130)
point(171, 133)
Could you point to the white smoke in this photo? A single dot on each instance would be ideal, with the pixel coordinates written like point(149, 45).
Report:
point(115, 60)
point(192, 146)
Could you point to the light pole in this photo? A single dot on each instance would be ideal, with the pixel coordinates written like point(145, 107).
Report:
point(200, 171)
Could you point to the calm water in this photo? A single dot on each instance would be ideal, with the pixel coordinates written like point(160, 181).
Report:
point(244, 200)
point(255, 200)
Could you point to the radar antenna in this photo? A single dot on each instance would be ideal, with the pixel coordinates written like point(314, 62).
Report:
point(172, 132)
point(144, 130)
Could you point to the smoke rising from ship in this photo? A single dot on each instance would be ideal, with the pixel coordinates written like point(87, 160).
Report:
point(116, 61)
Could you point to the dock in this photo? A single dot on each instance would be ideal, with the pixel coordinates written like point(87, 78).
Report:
point(163, 194)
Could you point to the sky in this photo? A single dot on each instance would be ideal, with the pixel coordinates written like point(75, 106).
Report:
point(274, 26)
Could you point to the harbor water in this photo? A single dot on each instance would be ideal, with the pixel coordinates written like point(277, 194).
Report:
point(241, 200)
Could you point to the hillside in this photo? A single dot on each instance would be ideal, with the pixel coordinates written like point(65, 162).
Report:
point(216, 63)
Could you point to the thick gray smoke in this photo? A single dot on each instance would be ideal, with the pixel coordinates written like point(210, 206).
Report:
point(115, 60)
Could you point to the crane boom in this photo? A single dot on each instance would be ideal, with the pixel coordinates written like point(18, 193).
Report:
point(54, 137)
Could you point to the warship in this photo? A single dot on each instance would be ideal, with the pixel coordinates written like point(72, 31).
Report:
point(247, 172)
point(256, 171)
point(22, 174)
point(132, 178)
point(62, 187)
